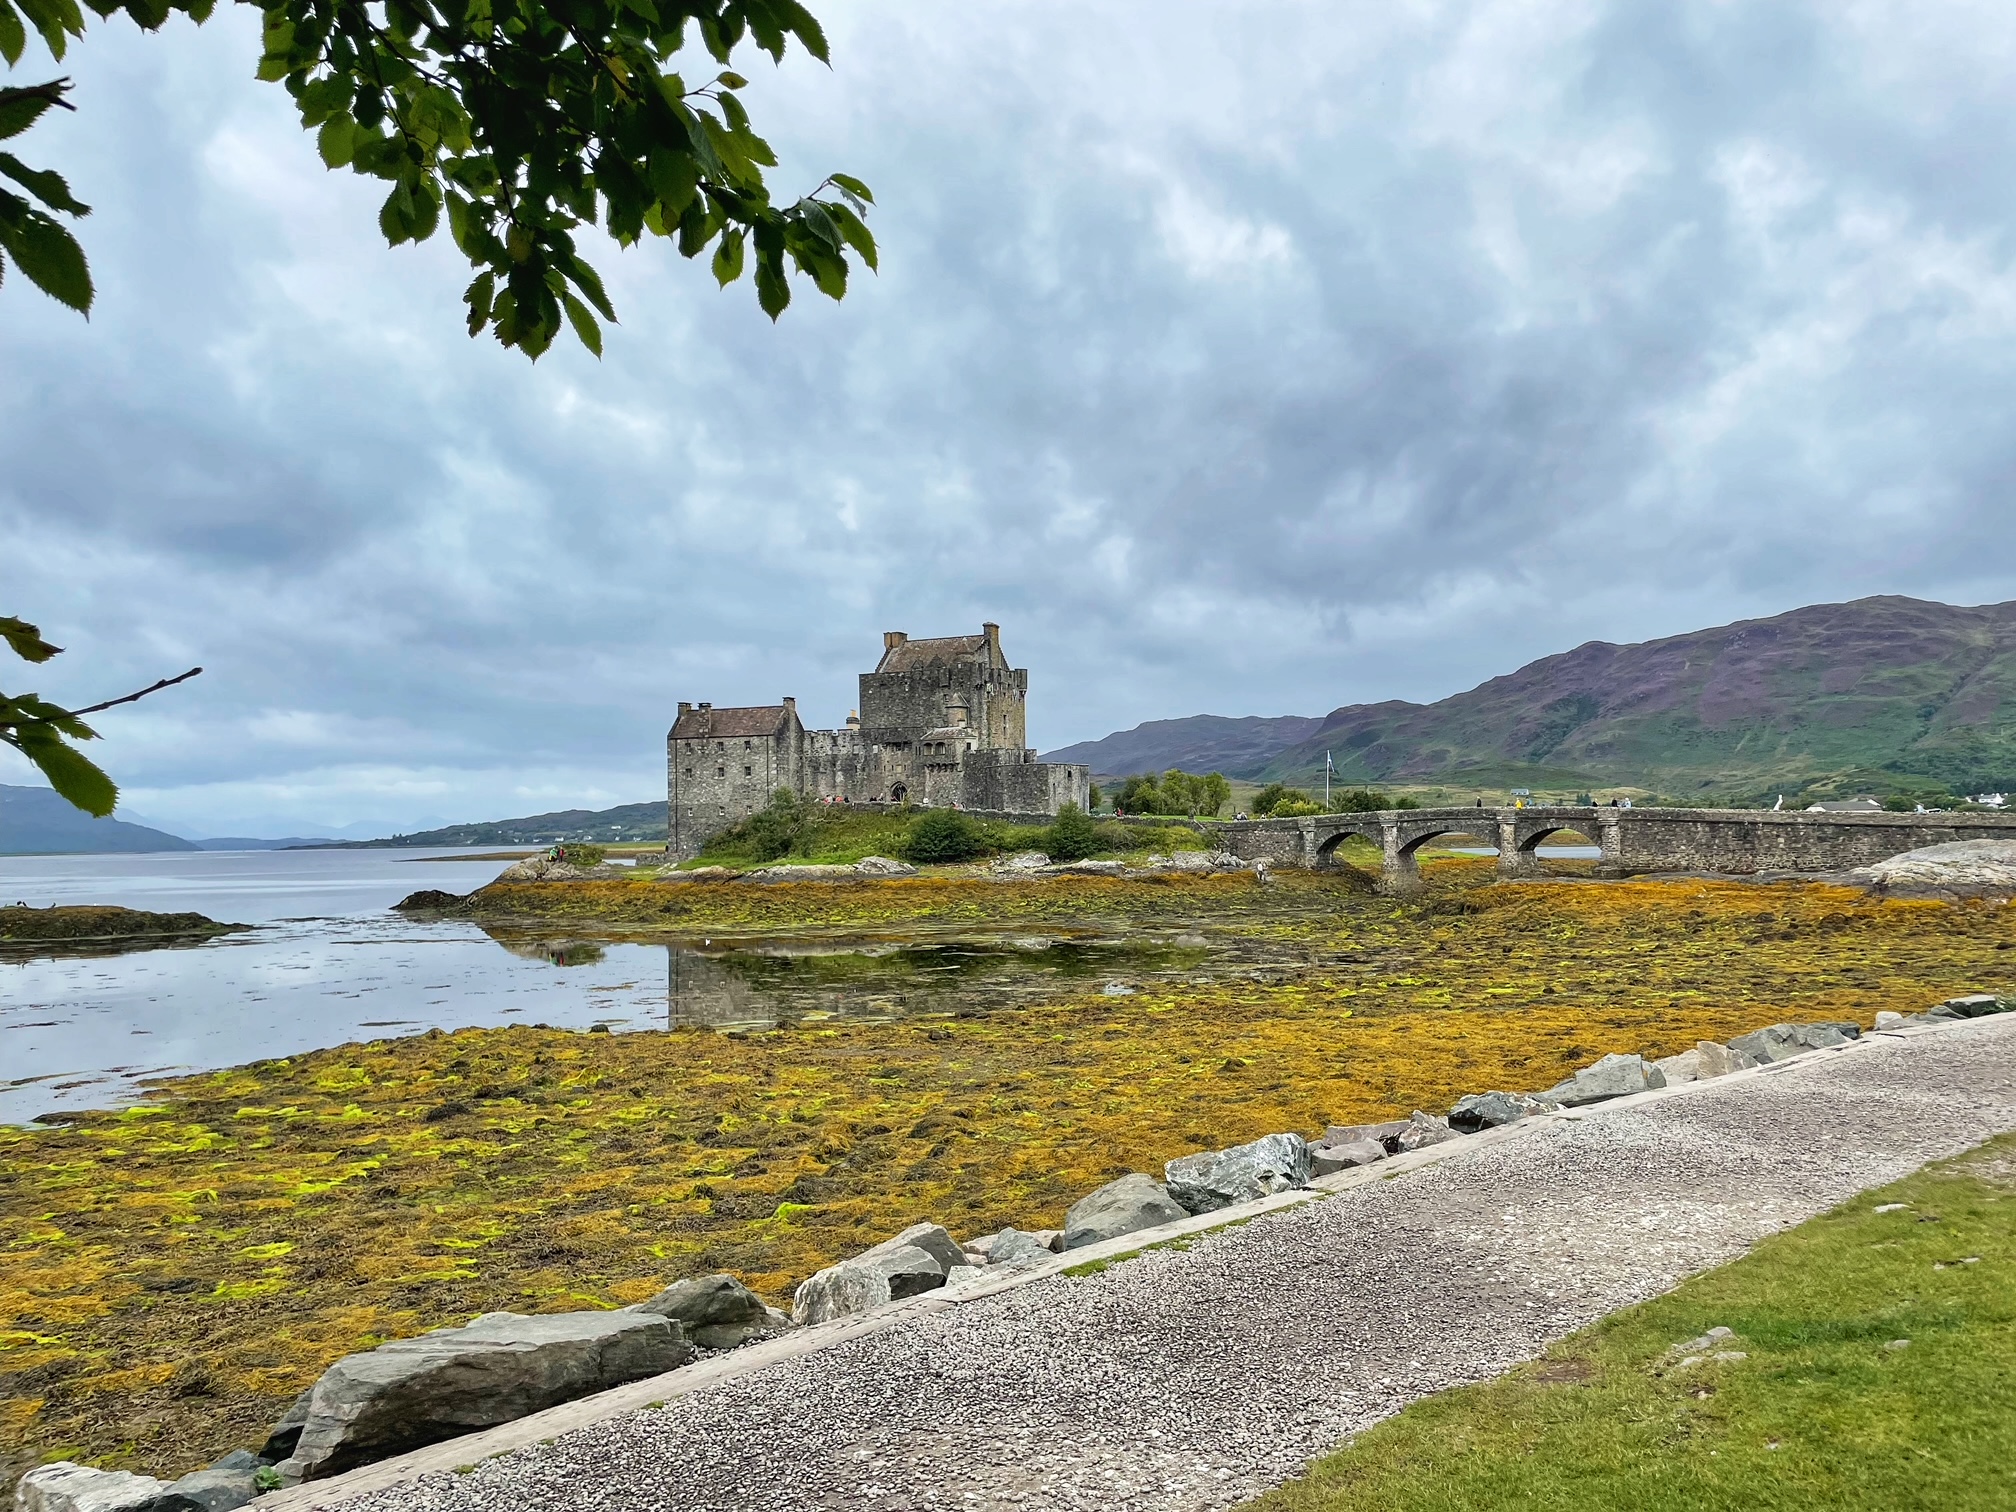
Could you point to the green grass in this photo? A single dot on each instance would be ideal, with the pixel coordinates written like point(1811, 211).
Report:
point(1820, 1415)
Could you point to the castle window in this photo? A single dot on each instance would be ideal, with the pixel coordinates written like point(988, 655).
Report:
point(748, 745)
point(720, 771)
point(689, 771)
point(748, 771)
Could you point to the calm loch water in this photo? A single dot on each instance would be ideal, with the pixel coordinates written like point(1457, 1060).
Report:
point(328, 963)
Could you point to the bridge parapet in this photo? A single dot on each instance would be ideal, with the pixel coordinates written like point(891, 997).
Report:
point(1632, 841)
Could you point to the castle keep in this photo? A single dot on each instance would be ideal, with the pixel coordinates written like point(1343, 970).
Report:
point(940, 723)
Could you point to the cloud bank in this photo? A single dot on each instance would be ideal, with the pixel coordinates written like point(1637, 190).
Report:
point(1242, 359)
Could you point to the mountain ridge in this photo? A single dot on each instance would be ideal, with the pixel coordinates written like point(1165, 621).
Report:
point(1886, 690)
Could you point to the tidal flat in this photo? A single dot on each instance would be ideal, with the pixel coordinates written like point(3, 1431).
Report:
point(174, 1272)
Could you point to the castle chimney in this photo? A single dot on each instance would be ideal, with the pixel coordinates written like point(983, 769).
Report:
point(685, 707)
point(993, 633)
point(791, 706)
point(891, 639)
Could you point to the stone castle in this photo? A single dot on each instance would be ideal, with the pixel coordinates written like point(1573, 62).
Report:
point(940, 723)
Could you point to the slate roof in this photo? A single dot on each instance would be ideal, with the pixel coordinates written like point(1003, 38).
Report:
point(723, 724)
point(916, 655)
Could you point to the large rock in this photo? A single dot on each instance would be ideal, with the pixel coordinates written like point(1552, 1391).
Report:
point(1022, 861)
point(1961, 868)
point(1015, 1247)
point(1779, 1042)
point(1387, 1133)
point(69, 1487)
point(1215, 1179)
point(1492, 1110)
point(888, 1273)
point(218, 1489)
point(1328, 1159)
point(540, 869)
point(1132, 1203)
point(1612, 1076)
point(802, 874)
point(928, 1237)
point(1422, 1131)
point(1712, 1059)
point(716, 1312)
point(1680, 1069)
point(501, 1367)
point(883, 866)
point(1974, 1005)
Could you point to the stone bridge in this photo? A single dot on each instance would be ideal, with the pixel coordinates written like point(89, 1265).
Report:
point(1632, 840)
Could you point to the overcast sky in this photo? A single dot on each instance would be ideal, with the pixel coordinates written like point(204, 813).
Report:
point(1236, 358)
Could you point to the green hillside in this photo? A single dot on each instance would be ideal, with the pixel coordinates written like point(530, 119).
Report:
point(1891, 694)
point(625, 822)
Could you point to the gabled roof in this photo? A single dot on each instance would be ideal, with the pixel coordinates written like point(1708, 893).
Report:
point(722, 724)
point(917, 655)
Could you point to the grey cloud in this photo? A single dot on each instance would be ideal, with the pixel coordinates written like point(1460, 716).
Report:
point(1244, 359)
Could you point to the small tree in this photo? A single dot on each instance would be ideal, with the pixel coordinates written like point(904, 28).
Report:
point(1093, 800)
point(1141, 794)
point(1272, 796)
point(940, 836)
point(1214, 794)
point(1072, 836)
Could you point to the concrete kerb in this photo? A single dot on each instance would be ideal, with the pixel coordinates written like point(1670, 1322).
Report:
point(454, 1453)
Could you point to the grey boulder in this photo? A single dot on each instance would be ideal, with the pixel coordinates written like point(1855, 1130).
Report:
point(883, 866)
point(218, 1490)
point(716, 1312)
point(888, 1273)
point(1783, 1041)
point(1328, 1159)
point(1215, 1179)
point(1012, 1246)
point(1492, 1110)
point(502, 1366)
point(287, 1432)
point(1973, 1005)
point(1680, 1069)
point(1422, 1131)
point(66, 1486)
point(1120, 1207)
point(1711, 1059)
point(1612, 1076)
point(1387, 1134)
point(928, 1237)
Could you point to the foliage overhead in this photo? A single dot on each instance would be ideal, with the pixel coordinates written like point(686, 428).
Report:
point(523, 122)
point(43, 731)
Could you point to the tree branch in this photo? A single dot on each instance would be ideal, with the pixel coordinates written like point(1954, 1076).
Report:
point(112, 703)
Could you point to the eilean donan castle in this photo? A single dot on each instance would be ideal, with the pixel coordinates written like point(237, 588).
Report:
point(940, 724)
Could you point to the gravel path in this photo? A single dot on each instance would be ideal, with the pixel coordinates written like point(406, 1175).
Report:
point(1194, 1379)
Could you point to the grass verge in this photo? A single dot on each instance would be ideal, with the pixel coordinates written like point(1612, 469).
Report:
point(1878, 1371)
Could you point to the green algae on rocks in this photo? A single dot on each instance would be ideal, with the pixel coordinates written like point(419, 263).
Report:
point(173, 1273)
point(23, 927)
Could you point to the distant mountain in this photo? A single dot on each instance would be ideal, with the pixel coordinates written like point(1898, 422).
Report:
point(626, 822)
point(35, 822)
point(1879, 693)
point(1886, 694)
point(1201, 743)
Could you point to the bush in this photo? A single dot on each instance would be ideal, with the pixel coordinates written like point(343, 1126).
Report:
point(1269, 799)
point(768, 833)
point(939, 836)
point(1174, 792)
point(577, 854)
point(1073, 836)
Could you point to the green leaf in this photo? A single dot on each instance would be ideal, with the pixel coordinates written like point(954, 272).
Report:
point(773, 293)
point(732, 81)
point(822, 224)
point(337, 141)
point(73, 774)
point(853, 186)
point(22, 106)
point(583, 322)
point(855, 232)
point(25, 640)
point(728, 258)
point(13, 42)
point(47, 253)
point(46, 186)
point(48, 18)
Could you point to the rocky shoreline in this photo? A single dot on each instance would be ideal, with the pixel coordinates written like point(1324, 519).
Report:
point(503, 1366)
point(27, 928)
